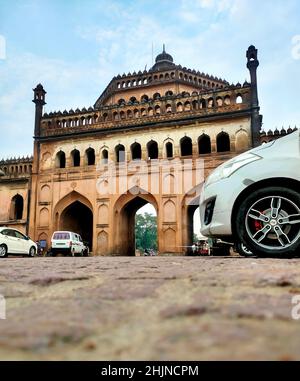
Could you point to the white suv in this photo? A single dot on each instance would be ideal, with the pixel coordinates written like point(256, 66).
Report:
point(14, 242)
point(69, 243)
point(254, 199)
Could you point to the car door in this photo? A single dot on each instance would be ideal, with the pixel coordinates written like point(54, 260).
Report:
point(22, 243)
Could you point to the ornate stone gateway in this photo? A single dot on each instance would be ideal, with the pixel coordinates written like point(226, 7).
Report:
point(151, 137)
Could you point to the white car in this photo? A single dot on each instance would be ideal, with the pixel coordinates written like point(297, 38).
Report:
point(68, 243)
point(14, 242)
point(254, 199)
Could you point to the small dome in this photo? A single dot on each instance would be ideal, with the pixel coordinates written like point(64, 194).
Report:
point(163, 61)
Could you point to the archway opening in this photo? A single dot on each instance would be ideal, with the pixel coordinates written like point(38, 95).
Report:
point(169, 150)
point(186, 146)
point(193, 225)
point(223, 142)
point(75, 154)
point(136, 151)
point(120, 153)
point(146, 230)
point(60, 160)
point(204, 145)
point(90, 156)
point(137, 227)
point(78, 218)
point(152, 148)
point(16, 207)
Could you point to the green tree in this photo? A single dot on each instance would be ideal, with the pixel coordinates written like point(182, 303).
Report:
point(145, 231)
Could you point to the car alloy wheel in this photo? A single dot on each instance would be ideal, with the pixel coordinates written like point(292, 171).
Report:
point(273, 222)
point(3, 251)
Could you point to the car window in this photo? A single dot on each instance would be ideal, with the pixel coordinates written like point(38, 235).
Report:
point(10, 233)
point(80, 239)
point(19, 235)
point(5, 232)
point(61, 235)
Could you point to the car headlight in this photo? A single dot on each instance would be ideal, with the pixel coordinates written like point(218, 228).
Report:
point(228, 168)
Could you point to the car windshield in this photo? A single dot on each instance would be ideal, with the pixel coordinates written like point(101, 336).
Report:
point(61, 235)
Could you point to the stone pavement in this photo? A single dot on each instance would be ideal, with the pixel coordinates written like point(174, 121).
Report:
point(147, 308)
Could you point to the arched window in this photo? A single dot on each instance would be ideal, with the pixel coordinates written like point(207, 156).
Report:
point(219, 101)
point(156, 96)
point(168, 108)
point(132, 99)
point(157, 110)
point(122, 115)
point(90, 156)
point(223, 142)
point(210, 103)
point(105, 117)
point(179, 107)
point(116, 116)
point(60, 160)
point(239, 99)
point(75, 155)
point(227, 100)
point(152, 148)
point(186, 146)
point(202, 103)
point(104, 156)
point(120, 153)
point(150, 111)
point(144, 98)
point(16, 207)
point(169, 93)
point(143, 112)
point(204, 145)
point(129, 114)
point(136, 151)
point(136, 113)
point(194, 104)
point(187, 106)
point(169, 150)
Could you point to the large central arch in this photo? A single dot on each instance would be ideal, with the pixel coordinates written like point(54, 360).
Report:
point(125, 210)
point(75, 213)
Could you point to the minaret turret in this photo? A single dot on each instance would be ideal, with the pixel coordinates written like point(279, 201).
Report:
point(256, 118)
point(39, 100)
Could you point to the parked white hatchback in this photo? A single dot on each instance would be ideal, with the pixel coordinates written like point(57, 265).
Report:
point(254, 199)
point(67, 243)
point(14, 242)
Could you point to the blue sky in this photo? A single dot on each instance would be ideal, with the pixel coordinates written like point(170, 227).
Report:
point(75, 47)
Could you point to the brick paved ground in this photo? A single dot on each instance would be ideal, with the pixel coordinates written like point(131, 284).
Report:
point(149, 308)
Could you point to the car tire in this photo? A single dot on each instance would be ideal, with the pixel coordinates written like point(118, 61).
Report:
point(268, 222)
point(3, 251)
point(243, 250)
point(32, 252)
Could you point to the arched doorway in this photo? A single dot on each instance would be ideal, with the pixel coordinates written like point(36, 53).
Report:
point(78, 218)
point(146, 230)
point(125, 219)
point(74, 212)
